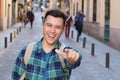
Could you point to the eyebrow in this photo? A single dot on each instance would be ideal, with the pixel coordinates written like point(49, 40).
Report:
point(55, 24)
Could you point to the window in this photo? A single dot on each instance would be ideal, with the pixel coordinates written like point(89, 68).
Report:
point(107, 21)
point(94, 9)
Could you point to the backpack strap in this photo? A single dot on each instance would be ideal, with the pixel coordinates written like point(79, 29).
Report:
point(28, 52)
point(27, 56)
point(68, 18)
point(61, 58)
point(62, 61)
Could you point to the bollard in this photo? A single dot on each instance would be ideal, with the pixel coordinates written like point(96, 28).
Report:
point(19, 29)
point(84, 42)
point(10, 37)
point(14, 34)
point(5, 42)
point(92, 49)
point(72, 34)
point(107, 60)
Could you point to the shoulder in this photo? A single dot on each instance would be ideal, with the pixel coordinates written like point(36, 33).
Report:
point(29, 45)
point(22, 51)
point(35, 43)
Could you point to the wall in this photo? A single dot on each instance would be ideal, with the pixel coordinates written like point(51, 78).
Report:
point(115, 24)
point(4, 17)
point(96, 29)
point(1, 21)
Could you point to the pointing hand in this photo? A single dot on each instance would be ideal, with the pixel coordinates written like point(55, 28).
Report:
point(69, 54)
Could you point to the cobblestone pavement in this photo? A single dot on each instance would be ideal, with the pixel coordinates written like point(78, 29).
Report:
point(92, 67)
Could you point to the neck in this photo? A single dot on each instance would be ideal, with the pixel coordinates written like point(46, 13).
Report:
point(47, 47)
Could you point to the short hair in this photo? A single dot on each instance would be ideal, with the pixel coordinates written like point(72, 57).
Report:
point(55, 13)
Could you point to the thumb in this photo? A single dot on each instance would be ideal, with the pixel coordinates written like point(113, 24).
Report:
point(61, 53)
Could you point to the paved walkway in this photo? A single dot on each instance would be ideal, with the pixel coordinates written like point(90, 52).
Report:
point(92, 67)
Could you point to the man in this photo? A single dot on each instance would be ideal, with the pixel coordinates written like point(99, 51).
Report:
point(44, 62)
point(79, 23)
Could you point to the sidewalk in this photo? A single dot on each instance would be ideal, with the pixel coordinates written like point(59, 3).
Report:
point(6, 33)
point(92, 67)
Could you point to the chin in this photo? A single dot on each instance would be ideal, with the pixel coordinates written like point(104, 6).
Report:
point(51, 42)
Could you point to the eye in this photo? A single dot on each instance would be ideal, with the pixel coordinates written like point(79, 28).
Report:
point(48, 25)
point(58, 27)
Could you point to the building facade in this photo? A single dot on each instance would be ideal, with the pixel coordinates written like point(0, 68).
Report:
point(6, 11)
point(58, 4)
point(102, 19)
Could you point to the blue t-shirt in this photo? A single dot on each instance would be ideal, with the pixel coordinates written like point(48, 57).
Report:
point(47, 58)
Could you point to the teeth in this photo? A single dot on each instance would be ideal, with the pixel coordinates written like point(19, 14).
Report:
point(51, 35)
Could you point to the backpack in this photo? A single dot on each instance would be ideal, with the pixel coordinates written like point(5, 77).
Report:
point(28, 54)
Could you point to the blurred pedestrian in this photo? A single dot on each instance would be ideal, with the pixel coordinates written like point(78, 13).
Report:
point(79, 23)
point(68, 24)
point(48, 55)
point(20, 14)
point(43, 12)
point(27, 17)
point(42, 15)
point(31, 17)
point(24, 17)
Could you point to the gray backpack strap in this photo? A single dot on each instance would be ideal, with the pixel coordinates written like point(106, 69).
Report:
point(27, 56)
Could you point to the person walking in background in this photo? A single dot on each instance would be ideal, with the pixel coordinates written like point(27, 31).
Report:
point(42, 15)
point(48, 54)
point(24, 17)
point(79, 23)
point(68, 24)
point(31, 17)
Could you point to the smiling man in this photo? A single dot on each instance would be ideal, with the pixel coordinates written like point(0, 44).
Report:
point(47, 58)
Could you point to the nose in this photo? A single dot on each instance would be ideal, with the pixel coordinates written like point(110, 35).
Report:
point(52, 29)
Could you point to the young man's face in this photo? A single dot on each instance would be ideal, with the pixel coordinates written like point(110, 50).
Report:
point(52, 29)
